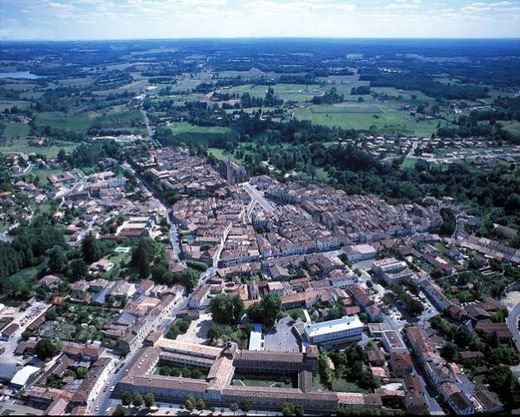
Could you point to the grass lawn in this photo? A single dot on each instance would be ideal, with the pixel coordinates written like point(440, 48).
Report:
point(184, 127)
point(339, 385)
point(16, 130)
point(409, 162)
point(23, 146)
point(222, 155)
point(383, 118)
point(9, 104)
point(271, 381)
point(74, 122)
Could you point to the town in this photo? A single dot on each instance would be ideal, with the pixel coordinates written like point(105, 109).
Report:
point(190, 236)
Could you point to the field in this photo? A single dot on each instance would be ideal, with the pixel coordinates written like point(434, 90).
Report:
point(23, 146)
point(183, 127)
point(79, 123)
point(367, 116)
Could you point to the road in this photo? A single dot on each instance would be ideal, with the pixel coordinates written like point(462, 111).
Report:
point(103, 401)
point(149, 130)
point(512, 323)
point(258, 197)
point(173, 232)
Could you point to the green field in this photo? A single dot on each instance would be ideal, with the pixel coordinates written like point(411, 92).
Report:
point(79, 123)
point(9, 104)
point(222, 155)
point(16, 130)
point(23, 146)
point(184, 127)
point(383, 118)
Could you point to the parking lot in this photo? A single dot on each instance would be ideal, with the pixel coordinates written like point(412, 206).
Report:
point(198, 330)
point(281, 337)
point(8, 362)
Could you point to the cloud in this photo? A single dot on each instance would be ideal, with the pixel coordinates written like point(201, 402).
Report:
point(79, 19)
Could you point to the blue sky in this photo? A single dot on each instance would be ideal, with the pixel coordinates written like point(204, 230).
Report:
point(123, 19)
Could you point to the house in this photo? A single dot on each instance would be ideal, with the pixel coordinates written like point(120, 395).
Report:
point(347, 328)
point(401, 364)
point(414, 400)
point(8, 331)
point(24, 377)
point(393, 342)
point(50, 282)
point(489, 328)
point(375, 356)
point(373, 312)
point(362, 252)
point(199, 297)
point(103, 265)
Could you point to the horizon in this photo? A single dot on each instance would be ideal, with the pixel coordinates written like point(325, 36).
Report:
point(262, 38)
point(78, 20)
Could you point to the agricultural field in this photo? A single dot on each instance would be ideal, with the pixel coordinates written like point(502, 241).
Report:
point(367, 116)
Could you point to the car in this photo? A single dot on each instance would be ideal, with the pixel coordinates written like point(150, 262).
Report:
point(112, 388)
point(97, 408)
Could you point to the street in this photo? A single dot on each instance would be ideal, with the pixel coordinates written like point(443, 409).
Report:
point(258, 197)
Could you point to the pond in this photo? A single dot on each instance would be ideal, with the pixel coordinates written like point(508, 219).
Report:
point(19, 74)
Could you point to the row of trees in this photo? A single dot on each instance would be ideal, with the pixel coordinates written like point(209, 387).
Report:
point(229, 309)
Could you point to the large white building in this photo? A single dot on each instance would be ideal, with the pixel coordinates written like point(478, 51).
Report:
point(347, 328)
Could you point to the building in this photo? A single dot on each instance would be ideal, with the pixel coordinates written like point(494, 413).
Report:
point(391, 270)
point(199, 297)
point(24, 377)
point(393, 342)
point(347, 328)
point(362, 252)
point(8, 331)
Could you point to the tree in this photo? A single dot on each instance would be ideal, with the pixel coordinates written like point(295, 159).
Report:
point(245, 406)
point(189, 403)
point(450, 351)
point(120, 411)
point(149, 399)
point(215, 333)
point(267, 311)
point(137, 399)
point(227, 309)
point(234, 407)
point(200, 404)
point(57, 260)
point(90, 249)
point(127, 398)
point(45, 349)
point(78, 269)
point(288, 409)
point(142, 256)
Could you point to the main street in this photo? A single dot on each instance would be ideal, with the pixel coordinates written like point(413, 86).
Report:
point(103, 401)
point(512, 323)
point(258, 197)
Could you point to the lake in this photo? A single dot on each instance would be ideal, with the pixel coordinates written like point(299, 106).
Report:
point(19, 74)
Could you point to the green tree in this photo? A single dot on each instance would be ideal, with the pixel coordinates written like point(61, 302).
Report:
point(450, 351)
point(57, 259)
point(267, 311)
point(189, 403)
point(120, 411)
point(149, 399)
point(245, 406)
point(142, 257)
point(127, 398)
point(215, 333)
point(90, 249)
point(227, 309)
point(200, 404)
point(78, 269)
point(137, 399)
point(45, 349)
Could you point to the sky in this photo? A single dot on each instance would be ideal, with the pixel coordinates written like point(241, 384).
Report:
point(136, 19)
